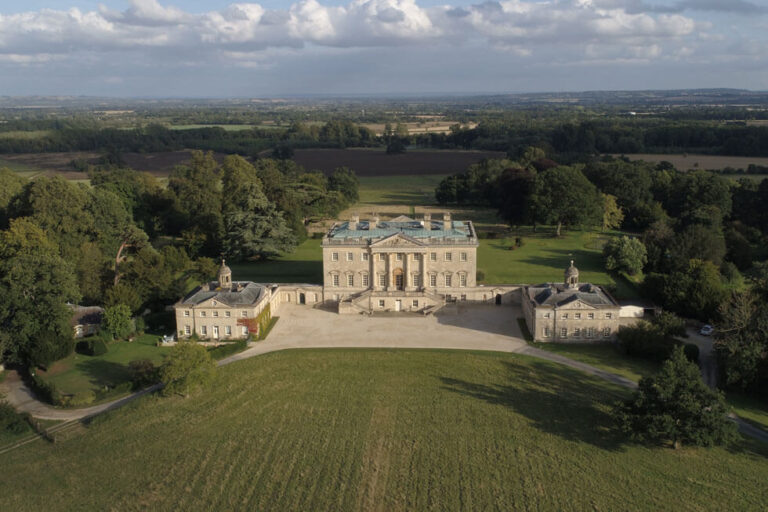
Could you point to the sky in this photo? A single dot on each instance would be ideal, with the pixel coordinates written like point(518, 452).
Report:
point(219, 48)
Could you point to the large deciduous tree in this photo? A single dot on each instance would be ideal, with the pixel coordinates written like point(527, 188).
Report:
point(565, 197)
point(625, 254)
point(253, 225)
point(35, 285)
point(676, 406)
point(188, 366)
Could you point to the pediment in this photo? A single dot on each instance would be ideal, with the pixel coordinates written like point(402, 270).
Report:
point(575, 304)
point(397, 241)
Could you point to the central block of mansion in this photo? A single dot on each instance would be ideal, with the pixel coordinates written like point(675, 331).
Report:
point(400, 265)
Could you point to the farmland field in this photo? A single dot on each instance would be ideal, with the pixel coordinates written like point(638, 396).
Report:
point(379, 430)
point(225, 127)
point(691, 161)
point(376, 162)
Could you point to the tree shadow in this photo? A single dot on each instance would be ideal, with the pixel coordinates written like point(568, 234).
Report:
point(487, 317)
point(557, 401)
point(104, 373)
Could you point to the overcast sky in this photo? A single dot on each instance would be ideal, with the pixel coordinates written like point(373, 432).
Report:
point(216, 48)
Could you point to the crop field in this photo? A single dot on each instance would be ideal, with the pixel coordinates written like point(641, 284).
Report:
point(379, 430)
point(690, 161)
point(428, 124)
point(376, 162)
point(226, 127)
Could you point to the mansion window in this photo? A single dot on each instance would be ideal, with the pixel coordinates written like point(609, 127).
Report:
point(448, 256)
point(433, 256)
point(462, 280)
point(186, 313)
point(245, 331)
point(203, 330)
point(334, 256)
point(591, 316)
point(350, 280)
point(433, 280)
point(590, 332)
point(187, 330)
point(381, 303)
point(577, 333)
point(365, 280)
point(382, 256)
point(577, 316)
point(448, 279)
point(335, 278)
point(606, 332)
point(350, 256)
point(608, 316)
point(382, 279)
point(202, 313)
point(463, 256)
point(564, 316)
point(415, 303)
point(227, 314)
point(564, 332)
point(216, 314)
point(364, 256)
point(228, 330)
point(416, 256)
point(463, 296)
point(547, 333)
point(244, 314)
point(417, 280)
point(546, 315)
point(399, 256)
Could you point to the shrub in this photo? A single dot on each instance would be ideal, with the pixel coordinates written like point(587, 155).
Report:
point(11, 421)
point(139, 325)
point(317, 235)
point(228, 349)
point(647, 341)
point(82, 398)
point(143, 373)
point(188, 366)
point(119, 389)
point(691, 352)
point(117, 321)
point(98, 347)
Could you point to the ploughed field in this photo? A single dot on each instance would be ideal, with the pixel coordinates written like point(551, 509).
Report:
point(686, 162)
point(379, 430)
point(376, 162)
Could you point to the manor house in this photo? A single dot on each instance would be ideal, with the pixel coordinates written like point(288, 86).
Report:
point(401, 265)
point(570, 311)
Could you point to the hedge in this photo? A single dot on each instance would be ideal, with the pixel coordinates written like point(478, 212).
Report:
point(223, 351)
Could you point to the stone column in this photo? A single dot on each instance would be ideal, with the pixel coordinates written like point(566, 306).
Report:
point(372, 284)
point(424, 276)
point(406, 270)
point(390, 271)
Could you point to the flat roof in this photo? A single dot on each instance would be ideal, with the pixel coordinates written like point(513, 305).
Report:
point(420, 230)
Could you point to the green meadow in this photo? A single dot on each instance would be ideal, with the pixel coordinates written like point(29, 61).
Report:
point(379, 430)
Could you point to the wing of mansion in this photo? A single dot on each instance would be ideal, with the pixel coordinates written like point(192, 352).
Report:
point(399, 265)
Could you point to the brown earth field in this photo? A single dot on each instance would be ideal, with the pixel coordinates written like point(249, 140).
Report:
point(365, 162)
point(707, 162)
point(376, 162)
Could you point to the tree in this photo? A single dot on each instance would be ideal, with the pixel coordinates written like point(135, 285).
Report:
point(253, 226)
point(514, 188)
point(613, 214)
point(188, 366)
point(345, 181)
point(117, 321)
point(11, 184)
point(564, 196)
point(676, 406)
point(35, 286)
point(694, 292)
point(625, 254)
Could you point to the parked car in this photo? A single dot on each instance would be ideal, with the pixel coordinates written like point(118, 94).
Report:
point(707, 330)
point(168, 338)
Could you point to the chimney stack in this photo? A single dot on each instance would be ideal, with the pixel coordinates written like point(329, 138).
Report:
point(427, 222)
point(374, 222)
point(447, 224)
point(352, 226)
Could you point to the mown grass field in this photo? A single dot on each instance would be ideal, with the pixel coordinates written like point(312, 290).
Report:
point(304, 265)
point(415, 190)
point(379, 430)
point(78, 373)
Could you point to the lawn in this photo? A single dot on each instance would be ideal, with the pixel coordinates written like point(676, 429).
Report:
point(604, 356)
point(79, 373)
point(304, 265)
point(415, 190)
point(750, 408)
point(379, 430)
point(544, 258)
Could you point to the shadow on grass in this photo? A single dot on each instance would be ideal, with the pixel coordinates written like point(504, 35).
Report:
point(277, 271)
point(104, 373)
point(556, 400)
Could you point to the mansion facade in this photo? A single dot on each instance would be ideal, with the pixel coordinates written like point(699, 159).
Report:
point(400, 265)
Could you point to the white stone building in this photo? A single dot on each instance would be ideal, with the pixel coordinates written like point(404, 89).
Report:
point(570, 311)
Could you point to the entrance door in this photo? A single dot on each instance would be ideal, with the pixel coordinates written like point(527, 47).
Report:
point(216, 332)
point(302, 298)
point(398, 305)
point(498, 299)
point(399, 279)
